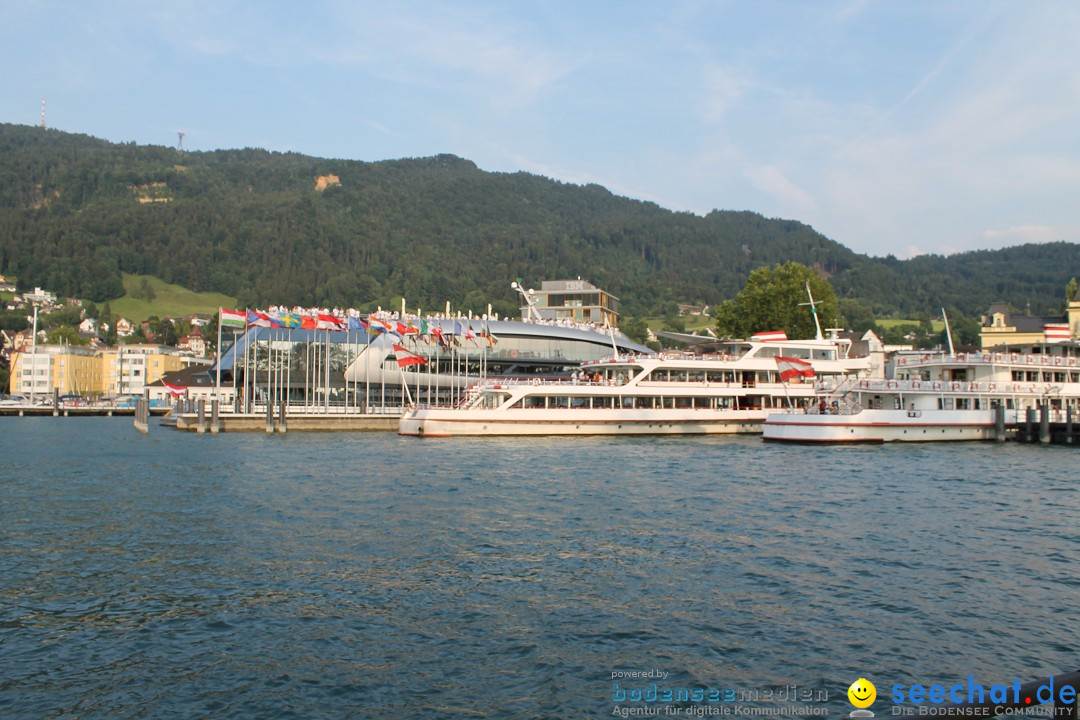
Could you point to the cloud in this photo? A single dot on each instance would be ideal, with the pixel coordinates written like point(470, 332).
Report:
point(771, 180)
point(1024, 234)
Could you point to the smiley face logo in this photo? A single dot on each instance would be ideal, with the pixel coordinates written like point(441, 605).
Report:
point(862, 693)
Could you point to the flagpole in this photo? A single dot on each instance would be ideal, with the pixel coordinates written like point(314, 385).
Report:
point(217, 386)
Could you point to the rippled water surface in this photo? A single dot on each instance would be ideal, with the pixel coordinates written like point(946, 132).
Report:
point(366, 575)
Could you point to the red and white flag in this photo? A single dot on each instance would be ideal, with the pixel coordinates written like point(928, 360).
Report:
point(175, 390)
point(769, 336)
point(790, 367)
point(329, 322)
point(407, 357)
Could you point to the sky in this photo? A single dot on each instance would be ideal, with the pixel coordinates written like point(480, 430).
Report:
point(893, 127)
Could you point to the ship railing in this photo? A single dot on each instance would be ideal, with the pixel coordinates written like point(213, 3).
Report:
point(1058, 690)
point(992, 358)
point(1033, 389)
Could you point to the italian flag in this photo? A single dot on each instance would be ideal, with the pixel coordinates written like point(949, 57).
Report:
point(232, 319)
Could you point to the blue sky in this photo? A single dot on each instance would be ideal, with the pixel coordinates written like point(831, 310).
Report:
point(899, 127)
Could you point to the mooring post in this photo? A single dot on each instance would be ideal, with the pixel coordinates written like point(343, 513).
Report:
point(269, 415)
point(1069, 425)
point(55, 401)
point(282, 423)
point(215, 416)
point(1044, 422)
point(200, 426)
point(1029, 425)
point(999, 422)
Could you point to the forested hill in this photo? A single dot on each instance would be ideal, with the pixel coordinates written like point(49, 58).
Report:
point(267, 227)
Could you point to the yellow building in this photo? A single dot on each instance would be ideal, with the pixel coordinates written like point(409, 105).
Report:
point(70, 370)
point(1001, 327)
point(81, 371)
point(128, 369)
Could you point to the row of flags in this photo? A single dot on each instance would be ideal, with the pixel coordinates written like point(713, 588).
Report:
point(373, 326)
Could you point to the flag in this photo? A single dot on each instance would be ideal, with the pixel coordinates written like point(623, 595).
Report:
point(307, 322)
point(790, 367)
point(356, 323)
point(175, 390)
point(377, 326)
point(261, 319)
point(407, 357)
point(231, 319)
point(290, 320)
point(329, 322)
point(769, 336)
point(488, 335)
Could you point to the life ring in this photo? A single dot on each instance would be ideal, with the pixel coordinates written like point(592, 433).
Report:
point(513, 353)
point(1072, 362)
point(961, 357)
point(937, 385)
point(954, 386)
point(997, 357)
point(916, 385)
point(973, 387)
point(892, 384)
point(992, 387)
point(1057, 360)
point(536, 381)
point(1029, 359)
point(1015, 358)
point(986, 357)
point(1045, 360)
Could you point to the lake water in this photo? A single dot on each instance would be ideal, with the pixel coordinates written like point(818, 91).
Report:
point(366, 575)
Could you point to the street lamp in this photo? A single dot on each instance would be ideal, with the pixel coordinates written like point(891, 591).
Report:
point(530, 299)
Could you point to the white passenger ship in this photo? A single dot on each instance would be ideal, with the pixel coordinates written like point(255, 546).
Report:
point(940, 396)
point(731, 390)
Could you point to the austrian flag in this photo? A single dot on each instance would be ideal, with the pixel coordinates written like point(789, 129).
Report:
point(407, 357)
point(790, 367)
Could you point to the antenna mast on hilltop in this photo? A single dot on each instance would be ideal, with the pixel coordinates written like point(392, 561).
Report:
point(42, 113)
point(180, 142)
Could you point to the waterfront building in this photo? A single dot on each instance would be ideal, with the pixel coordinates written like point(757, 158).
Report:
point(359, 371)
point(1001, 327)
point(70, 370)
point(128, 369)
point(575, 301)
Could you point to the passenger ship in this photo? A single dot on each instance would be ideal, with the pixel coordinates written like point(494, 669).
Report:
point(939, 397)
point(731, 390)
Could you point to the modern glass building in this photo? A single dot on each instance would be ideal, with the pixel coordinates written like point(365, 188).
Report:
point(355, 370)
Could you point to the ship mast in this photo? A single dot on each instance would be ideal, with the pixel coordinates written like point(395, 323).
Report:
point(813, 310)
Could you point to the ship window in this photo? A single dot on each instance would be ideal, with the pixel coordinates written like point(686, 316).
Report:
point(696, 376)
point(627, 402)
point(558, 401)
point(667, 402)
point(703, 402)
point(603, 402)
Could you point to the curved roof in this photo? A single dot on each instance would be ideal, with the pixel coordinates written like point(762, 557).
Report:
point(500, 328)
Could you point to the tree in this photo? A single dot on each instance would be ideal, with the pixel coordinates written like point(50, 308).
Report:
point(771, 299)
point(1070, 291)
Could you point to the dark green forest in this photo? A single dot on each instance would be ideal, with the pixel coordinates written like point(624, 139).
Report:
point(76, 211)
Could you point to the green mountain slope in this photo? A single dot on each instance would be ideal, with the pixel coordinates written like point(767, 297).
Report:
point(76, 212)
